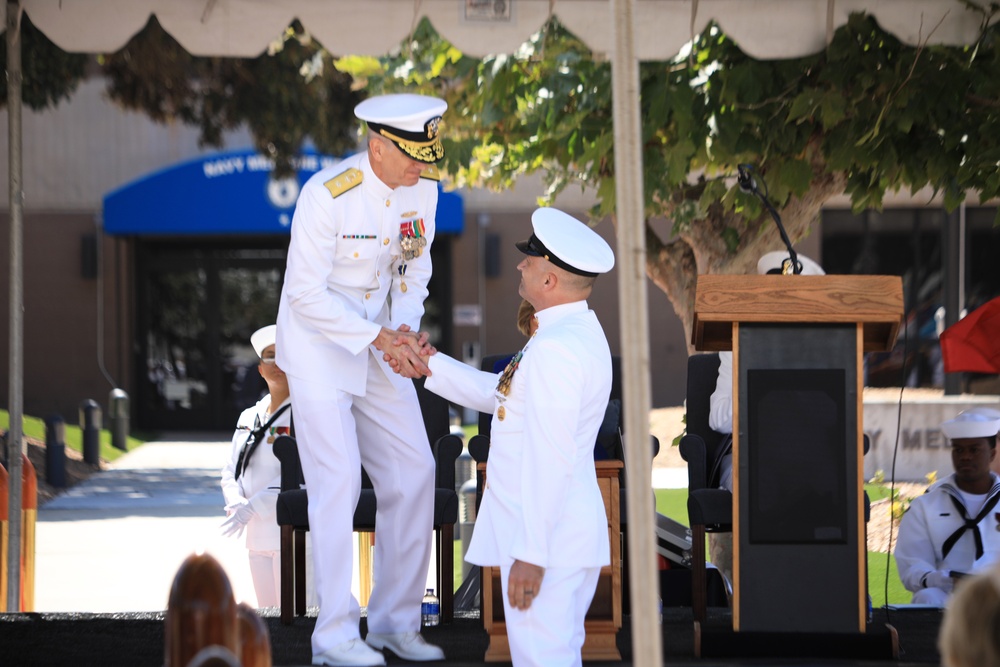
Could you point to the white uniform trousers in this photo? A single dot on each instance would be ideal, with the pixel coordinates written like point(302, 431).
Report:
point(265, 569)
point(550, 632)
point(384, 430)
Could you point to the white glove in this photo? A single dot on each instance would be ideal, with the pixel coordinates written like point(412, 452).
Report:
point(939, 579)
point(236, 522)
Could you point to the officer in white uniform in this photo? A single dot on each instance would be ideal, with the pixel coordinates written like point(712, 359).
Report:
point(251, 477)
point(358, 265)
point(542, 519)
point(720, 416)
point(954, 528)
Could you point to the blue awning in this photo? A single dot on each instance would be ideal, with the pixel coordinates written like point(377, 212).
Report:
point(228, 193)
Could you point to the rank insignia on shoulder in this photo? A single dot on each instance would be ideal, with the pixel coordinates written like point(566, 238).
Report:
point(431, 172)
point(344, 181)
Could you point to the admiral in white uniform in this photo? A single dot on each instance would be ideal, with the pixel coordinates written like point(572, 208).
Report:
point(358, 266)
point(954, 528)
point(542, 518)
point(251, 477)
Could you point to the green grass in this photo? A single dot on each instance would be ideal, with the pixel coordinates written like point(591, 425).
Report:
point(35, 428)
point(673, 503)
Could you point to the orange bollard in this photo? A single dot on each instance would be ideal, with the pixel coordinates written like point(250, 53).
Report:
point(4, 513)
point(255, 641)
point(29, 517)
point(201, 611)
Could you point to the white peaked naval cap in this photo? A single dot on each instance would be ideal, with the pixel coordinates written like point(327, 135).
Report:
point(410, 121)
point(567, 243)
point(263, 337)
point(971, 424)
point(773, 262)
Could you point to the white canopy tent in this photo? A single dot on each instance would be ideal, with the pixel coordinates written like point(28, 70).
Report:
point(626, 31)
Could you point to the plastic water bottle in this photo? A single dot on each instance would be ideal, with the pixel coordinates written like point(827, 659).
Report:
point(430, 609)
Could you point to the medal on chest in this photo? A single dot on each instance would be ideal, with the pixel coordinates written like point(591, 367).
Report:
point(503, 384)
point(412, 239)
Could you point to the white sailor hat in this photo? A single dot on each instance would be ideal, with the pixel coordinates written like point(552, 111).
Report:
point(971, 424)
point(991, 413)
point(410, 121)
point(567, 243)
point(263, 337)
point(775, 262)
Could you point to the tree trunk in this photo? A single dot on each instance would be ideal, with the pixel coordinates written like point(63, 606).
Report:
point(674, 265)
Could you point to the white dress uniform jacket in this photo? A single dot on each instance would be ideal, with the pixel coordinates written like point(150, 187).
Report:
point(542, 504)
point(344, 277)
point(261, 481)
point(929, 521)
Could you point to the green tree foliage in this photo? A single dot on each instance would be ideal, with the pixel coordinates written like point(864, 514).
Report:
point(866, 116)
point(48, 74)
point(283, 96)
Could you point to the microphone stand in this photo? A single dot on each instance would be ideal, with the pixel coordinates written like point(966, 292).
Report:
point(748, 184)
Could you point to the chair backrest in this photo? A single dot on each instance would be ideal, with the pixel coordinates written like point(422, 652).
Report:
point(436, 412)
point(702, 375)
point(286, 450)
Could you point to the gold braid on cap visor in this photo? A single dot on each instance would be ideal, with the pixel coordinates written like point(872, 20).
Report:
point(425, 151)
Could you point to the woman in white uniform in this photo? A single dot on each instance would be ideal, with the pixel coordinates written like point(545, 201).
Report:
point(251, 478)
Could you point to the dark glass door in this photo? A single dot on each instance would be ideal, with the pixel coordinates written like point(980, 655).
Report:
point(197, 306)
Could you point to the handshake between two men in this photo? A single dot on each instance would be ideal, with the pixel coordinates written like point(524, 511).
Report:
point(405, 351)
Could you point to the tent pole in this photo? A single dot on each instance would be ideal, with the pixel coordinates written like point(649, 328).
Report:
point(16, 367)
point(629, 210)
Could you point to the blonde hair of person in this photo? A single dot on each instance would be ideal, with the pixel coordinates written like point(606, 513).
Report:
point(970, 631)
point(525, 317)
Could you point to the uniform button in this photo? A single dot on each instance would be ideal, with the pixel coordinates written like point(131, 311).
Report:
point(355, 254)
point(368, 296)
point(385, 241)
point(388, 203)
point(378, 274)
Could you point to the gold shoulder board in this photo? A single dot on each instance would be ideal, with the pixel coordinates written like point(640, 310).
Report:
point(343, 182)
point(431, 172)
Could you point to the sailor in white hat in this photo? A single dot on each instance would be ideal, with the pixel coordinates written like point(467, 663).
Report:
point(954, 528)
point(356, 279)
point(250, 478)
point(779, 261)
point(542, 519)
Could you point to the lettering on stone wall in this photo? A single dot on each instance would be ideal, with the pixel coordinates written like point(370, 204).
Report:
point(920, 438)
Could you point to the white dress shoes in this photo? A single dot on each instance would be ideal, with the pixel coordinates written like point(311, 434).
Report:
point(353, 653)
point(406, 645)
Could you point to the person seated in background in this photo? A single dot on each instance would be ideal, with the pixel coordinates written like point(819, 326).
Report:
point(251, 477)
point(720, 417)
point(968, 635)
point(954, 528)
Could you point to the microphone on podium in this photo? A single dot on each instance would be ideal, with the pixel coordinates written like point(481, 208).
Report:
point(748, 184)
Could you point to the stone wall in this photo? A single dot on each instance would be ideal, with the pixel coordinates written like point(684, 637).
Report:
point(920, 448)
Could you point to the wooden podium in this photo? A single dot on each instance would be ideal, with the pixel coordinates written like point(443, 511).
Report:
point(799, 552)
point(604, 618)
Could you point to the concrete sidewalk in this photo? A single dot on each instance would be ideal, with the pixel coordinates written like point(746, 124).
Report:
point(114, 542)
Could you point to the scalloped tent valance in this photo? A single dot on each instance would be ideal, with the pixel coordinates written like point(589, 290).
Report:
point(763, 28)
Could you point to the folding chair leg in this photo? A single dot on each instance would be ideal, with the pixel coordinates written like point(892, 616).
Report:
point(699, 587)
point(287, 575)
point(446, 570)
point(300, 573)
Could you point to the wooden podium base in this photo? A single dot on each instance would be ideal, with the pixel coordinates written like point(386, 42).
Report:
point(604, 618)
